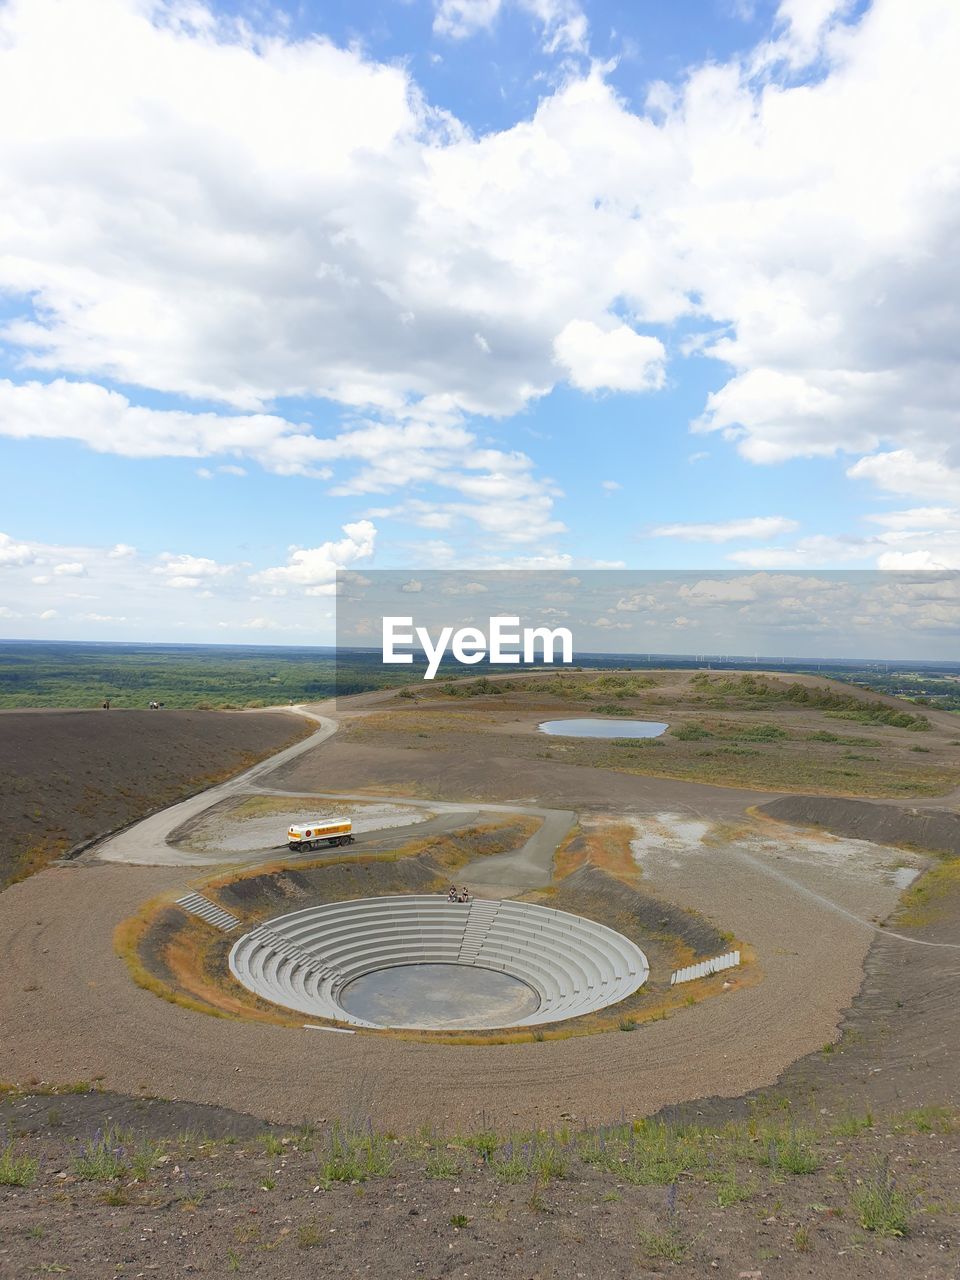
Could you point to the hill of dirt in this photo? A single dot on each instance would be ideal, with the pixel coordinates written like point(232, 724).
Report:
point(66, 776)
point(927, 828)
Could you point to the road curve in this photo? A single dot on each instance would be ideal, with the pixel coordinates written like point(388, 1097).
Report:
point(146, 841)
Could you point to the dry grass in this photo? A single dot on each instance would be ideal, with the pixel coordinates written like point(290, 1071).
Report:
point(928, 898)
point(128, 938)
point(772, 743)
point(607, 848)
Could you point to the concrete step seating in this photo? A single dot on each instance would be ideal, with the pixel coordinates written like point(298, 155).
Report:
point(200, 906)
point(304, 960)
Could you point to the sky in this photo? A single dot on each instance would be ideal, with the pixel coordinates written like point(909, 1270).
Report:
point(852, 614)
point(467, 285)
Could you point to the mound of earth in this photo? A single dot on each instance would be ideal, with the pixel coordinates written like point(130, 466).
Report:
point(919, 828)
point(639, 915)
point(66, 776)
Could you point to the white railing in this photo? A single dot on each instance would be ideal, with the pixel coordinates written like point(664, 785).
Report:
point(705, 967)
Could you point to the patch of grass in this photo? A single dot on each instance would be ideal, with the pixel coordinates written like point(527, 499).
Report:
point(730, 1190)
point(484, 1143)
point(460, 1220)
point(355, 1156)
point(852, 1126)
point(926, 898)
point(691, 731)
point(17, 1171)
point(667, 1246)
point(791, 1154)
point(763, 733)
point(102, 1158)
point(801, 1239)
point(511, 1166)
point(440, 1164)
point(549, 1163)
point(309, 1235)
point(928, 1120)
point(880, 1206)
point(116, 1197)
point(144, 1159)
point(271, 1144)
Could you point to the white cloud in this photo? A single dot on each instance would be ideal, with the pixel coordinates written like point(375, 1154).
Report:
point(930, 474)
point(496, 489)
point(315, 568)
point(618, 359)
point(818, 552)
point(14, 552)
point(121, 551)
point(458, 19)
point(611, 486)
point(70, 569)
point(563, 21)
point(918, 518)
point(727, 530)
point(346, 241)
point(186, 572)
point(48, 614)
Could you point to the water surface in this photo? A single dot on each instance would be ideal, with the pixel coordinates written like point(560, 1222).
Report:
point(612, 728)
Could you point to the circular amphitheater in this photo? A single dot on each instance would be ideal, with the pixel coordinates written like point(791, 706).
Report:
point(312, 960)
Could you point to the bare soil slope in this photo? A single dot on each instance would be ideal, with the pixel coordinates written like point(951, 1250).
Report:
point(920, 828)
point(66, 776)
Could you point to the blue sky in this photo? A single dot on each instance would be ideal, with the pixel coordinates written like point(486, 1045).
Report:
point(466, 284)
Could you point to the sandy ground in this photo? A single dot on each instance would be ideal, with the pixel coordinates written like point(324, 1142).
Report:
point(229, 831)
point(74, 1013)
point(808, 905)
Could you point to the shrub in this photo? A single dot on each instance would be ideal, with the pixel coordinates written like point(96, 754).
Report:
point(691, 732)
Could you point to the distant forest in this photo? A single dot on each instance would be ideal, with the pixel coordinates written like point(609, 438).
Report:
point(62, 674)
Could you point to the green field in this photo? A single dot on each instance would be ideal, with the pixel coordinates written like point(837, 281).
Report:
point(78, 675)
point(64, 674)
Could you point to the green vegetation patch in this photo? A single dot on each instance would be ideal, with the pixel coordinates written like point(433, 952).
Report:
point(752, 690)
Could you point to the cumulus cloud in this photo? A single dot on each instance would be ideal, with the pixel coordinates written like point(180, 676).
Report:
point(461, 18)
point(727, 530)
point(14, 552)
point(498, 490)
point(618, 359)
point(350, 242)
point(186, 572)
point(314, 569)
point(563, 21)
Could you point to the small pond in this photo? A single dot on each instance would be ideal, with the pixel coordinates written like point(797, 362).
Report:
point(612, 728)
